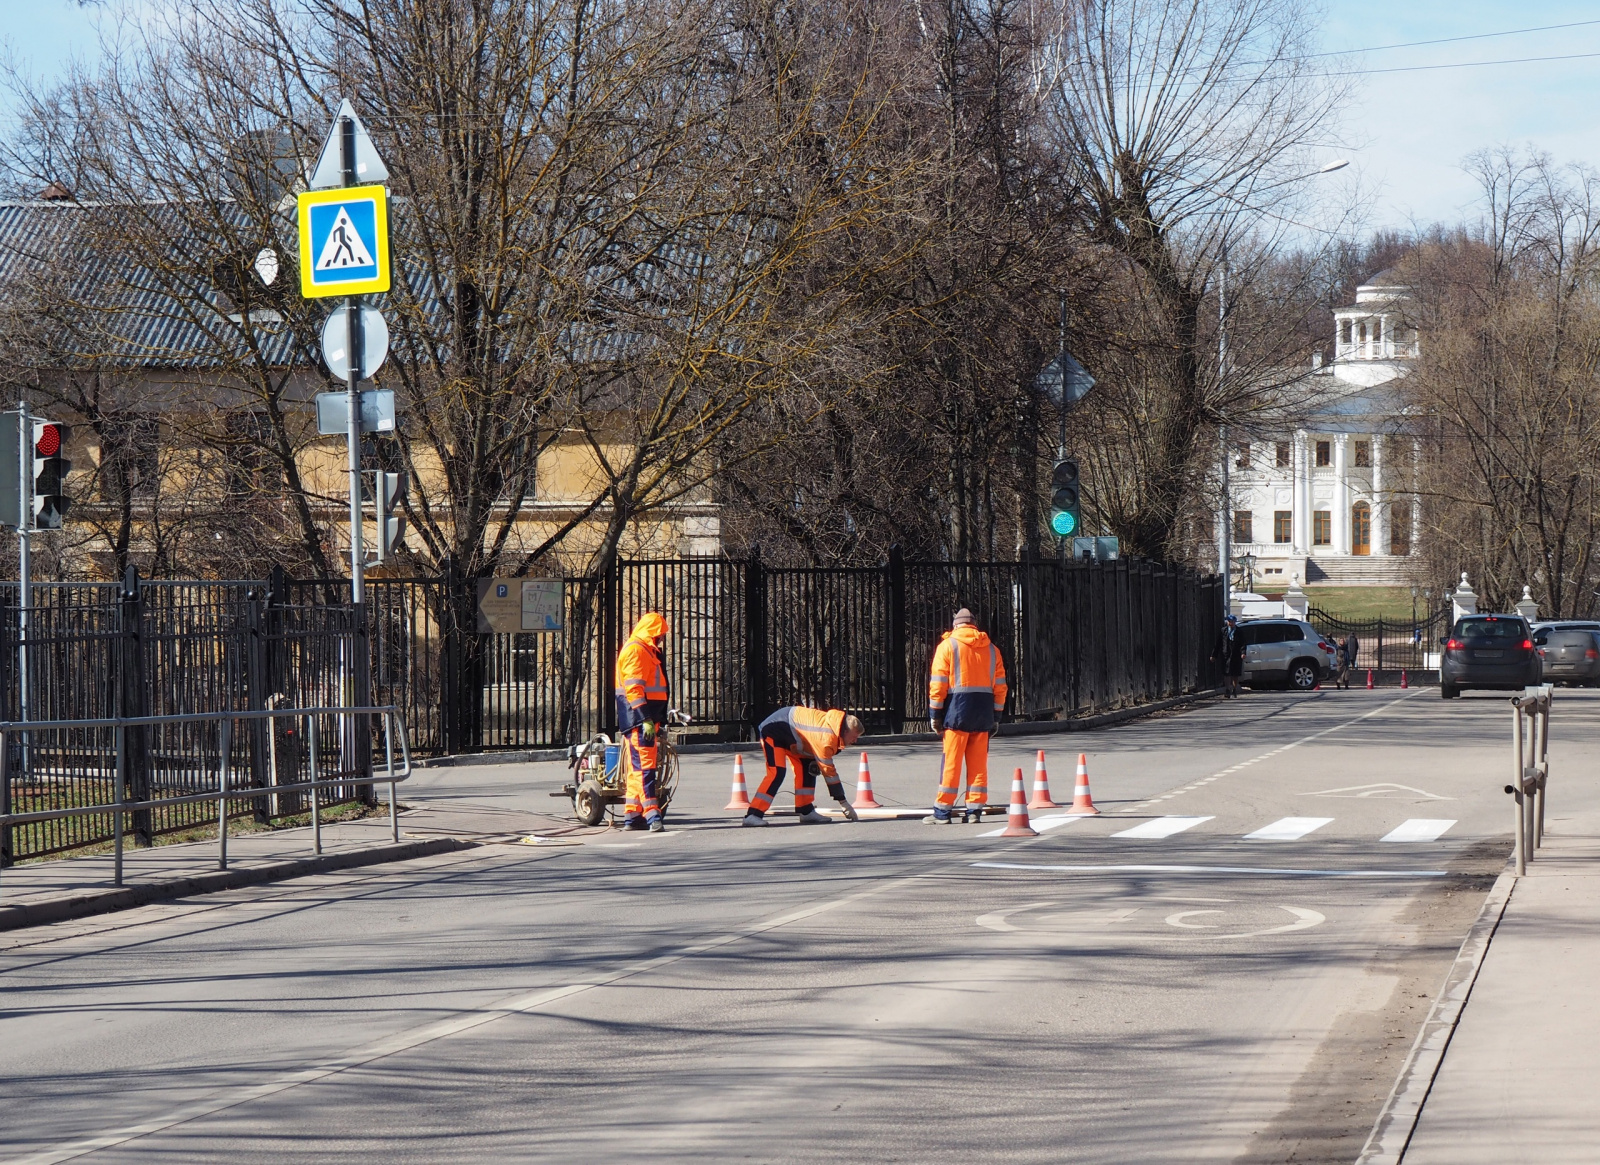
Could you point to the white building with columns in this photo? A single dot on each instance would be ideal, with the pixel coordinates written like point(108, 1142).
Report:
point(1332, 499)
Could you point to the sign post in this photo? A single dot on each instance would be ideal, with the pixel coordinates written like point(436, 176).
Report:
point(344, 251)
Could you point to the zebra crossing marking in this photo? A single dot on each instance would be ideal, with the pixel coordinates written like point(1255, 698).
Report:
point(1288, 829)
point(1162, 827)
point(1419, 829)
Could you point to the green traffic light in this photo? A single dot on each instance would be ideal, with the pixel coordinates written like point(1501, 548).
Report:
point(1064, 523)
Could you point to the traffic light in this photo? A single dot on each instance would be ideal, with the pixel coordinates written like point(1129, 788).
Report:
point(13, 511)
point(391, 493)
point(50, 471)
point(1066, 510)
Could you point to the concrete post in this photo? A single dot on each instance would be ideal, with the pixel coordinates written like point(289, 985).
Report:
point(1463, 600)
point(1527, 606)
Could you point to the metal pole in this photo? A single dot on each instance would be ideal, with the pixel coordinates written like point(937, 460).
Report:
point(388, 760)
point(24, 571)
point(1516, 788)
point(1544, 771)
point(1225, 544)
point(1061, 420)
point(224, 743)
point(316, 818)
point(121, 735)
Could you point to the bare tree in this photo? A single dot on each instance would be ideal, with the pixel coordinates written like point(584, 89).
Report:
point(1507, 392)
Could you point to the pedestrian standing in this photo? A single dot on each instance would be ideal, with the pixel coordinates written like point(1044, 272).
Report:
point(966, 694)
point(642, 695)
point(808, 739)
point(1229, 652)
point(1348, 650)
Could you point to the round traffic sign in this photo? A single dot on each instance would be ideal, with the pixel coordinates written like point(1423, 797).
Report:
point(336, 342)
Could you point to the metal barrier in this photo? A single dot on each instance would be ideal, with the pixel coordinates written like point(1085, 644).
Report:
point(227, 789)
point(1531, 770)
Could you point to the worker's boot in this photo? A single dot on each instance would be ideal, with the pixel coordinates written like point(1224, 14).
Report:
point(655, 824)
point(753, 818)
point(940, 816)
point(974, 814)
point(812, 817)
point(633, 822)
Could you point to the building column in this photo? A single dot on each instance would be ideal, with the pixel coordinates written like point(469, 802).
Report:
point(1380, 502)
point(1297, 474)
point(1416, 499)
point(1341, 494)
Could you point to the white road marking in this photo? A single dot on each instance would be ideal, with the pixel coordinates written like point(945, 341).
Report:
point(1384, 790)
point(1419, 829)
point(1288, 829)
point(1179, 918)
point(997, 920)
point(1303, 920)
point(1150, 869)
point(1162, 827)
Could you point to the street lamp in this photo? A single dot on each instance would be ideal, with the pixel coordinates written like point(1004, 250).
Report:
point(1225, 543)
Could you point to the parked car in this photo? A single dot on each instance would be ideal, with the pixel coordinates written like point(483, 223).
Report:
point(1488, 651)
point(1285, 651)
point(1569, 653)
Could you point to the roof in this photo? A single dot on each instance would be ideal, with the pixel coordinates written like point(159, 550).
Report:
point(132, 316)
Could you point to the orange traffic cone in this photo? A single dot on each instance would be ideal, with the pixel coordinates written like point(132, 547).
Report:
point(1017, 818)
point(1404, 683)
point(1082, 803)
point(1369, 679)
point(1041, 786)
point(741, 795)
point(864, 798)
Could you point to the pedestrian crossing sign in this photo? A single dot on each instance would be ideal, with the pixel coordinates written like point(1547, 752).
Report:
point(344, 241)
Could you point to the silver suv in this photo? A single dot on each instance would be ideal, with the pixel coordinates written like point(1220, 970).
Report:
point(1291, 651)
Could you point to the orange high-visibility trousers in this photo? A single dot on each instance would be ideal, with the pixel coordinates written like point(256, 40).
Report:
point(641, 784)
point(973, 749)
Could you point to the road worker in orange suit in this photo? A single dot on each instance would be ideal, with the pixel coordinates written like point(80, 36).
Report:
point(642, 695)
point(808, 739)
point(966, 693)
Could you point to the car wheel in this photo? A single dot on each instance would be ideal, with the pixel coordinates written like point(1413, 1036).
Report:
point(1449, 692)
point(1304, 674)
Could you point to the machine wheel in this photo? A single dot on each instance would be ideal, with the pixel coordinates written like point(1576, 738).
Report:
point(589, 803)
point(1449, 692)
point(1304, 674)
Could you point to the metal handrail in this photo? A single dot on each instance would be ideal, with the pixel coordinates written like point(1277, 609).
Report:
point(1530, 769)
point(226, 790)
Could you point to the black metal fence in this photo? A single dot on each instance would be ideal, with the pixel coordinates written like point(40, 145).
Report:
point(745, 639)
point(1388, 644)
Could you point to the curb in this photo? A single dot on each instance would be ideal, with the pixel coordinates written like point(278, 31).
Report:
point(82, 905)
point(1397, 1120)
point(1010, 729)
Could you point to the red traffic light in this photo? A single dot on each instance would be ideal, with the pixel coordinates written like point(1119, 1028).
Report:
point(49, 441)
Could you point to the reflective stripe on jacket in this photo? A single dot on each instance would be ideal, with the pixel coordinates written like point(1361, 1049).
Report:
point(642, 690)
point(968, 682)
point(814, 733)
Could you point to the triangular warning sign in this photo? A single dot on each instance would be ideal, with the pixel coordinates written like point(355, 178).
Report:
point(344, 247)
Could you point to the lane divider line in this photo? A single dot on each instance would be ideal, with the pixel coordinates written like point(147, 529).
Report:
point(1154, 869)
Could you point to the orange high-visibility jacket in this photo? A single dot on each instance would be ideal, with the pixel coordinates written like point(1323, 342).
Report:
point(642, 690)
point(968, 682)
point(808, 732)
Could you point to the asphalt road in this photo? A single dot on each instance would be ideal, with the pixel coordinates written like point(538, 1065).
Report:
point(879, 991)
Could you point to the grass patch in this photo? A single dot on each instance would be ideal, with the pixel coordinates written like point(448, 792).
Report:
point(1355, 603)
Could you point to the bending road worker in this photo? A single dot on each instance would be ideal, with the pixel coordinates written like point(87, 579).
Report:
point(966, 693)
point(642, 695)
point(809, 739)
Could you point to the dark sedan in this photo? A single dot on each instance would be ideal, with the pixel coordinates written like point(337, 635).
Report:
point(1488, 651)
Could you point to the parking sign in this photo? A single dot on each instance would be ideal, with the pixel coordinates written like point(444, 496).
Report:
point(344, 242)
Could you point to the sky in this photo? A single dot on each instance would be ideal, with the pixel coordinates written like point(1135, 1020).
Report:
point(1405, 133)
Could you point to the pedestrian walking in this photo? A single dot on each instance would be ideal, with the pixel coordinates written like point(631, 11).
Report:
point(808, 739)
point(1229, 652)
point(1348, 650)
point(642, 695)
point(966, 694)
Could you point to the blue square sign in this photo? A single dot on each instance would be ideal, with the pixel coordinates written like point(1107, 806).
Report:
point(344, 242)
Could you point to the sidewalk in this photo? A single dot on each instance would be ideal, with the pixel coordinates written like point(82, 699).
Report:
point(51, 891)
point(1520, 1077)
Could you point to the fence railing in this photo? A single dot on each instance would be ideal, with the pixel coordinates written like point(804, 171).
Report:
point(746, 637)
point(1388, 644)
point(1530, 735)
point(103, 755)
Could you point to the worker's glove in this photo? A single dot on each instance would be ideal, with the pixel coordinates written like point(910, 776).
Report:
point(647, 733)
point(850, 813)
point(936, 721)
